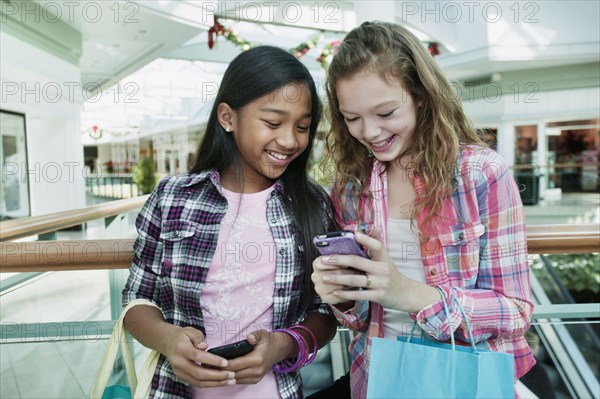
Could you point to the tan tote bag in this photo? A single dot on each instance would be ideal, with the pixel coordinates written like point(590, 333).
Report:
point(138, 384)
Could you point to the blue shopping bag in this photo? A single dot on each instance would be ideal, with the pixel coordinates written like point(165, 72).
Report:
point(117, 392)
point(426, 368)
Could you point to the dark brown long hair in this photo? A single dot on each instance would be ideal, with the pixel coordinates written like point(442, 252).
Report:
point(251, 75)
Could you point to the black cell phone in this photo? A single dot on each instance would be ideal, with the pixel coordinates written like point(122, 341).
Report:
point(339, 243)
point(232, 351)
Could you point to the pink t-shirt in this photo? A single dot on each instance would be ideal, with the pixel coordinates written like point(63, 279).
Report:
point(237, 297)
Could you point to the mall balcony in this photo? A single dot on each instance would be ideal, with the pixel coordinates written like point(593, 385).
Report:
point(99, 97)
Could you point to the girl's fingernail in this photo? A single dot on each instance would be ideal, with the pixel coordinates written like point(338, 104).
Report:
point(231, 375)
point(224, 363)
point(325, 278)
point(231, 382)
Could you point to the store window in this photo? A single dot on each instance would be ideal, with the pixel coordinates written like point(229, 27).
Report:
point(14, 190)
point(573, 152)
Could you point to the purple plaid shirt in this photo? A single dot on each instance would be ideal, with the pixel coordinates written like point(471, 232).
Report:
point(178, 230)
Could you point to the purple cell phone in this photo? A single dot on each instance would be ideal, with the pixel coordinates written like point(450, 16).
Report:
point(339, 243)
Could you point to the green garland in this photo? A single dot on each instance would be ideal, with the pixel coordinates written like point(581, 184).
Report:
point(299, 51)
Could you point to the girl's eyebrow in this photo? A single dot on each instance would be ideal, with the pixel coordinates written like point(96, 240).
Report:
point(380, 105)
point(281, 112)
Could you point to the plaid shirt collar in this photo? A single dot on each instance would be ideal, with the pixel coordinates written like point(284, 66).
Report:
point(215, 177)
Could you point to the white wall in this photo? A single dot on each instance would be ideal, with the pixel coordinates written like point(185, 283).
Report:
point(546, 106)
point(47, 90)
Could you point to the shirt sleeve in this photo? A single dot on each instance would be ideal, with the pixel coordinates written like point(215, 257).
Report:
point(500, 303)
point(147, 252)
point(355, 318)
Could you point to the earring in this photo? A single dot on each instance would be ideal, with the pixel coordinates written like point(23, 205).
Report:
point(227, 129)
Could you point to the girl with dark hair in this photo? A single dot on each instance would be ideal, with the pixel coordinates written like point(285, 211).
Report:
point(226, 251)
point(444, 213)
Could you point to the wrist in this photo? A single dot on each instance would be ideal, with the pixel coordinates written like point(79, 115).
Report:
point(418, 296)
point(165, 333)
point(304, 356)
point(286, 346)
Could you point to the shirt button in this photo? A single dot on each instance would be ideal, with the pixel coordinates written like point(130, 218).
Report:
point(176, 233)
point(432, 272)
point(461, 236)
point(281, 291)
point(281, 251)
point(273, 220)
point(273, 193)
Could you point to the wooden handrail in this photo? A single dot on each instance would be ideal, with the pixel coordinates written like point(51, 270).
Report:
point(554, 165)
point(563, 238)
point(41, 256)
point(25, 227)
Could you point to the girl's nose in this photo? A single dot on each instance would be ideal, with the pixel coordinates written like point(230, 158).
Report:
point(371, 131)
point(288, 139)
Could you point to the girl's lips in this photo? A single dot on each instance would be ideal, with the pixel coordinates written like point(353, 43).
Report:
point(386, 145)
point(279, 158)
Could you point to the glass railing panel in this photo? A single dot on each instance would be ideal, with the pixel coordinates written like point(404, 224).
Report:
point(569, 349)
point(115, 186)
point(567, 359)
point(63, 296)
point(57, 369)
point(544, 379)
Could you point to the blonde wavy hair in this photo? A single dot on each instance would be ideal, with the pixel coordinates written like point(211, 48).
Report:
point(392, 51)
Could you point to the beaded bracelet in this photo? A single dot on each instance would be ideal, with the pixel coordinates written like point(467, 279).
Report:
point(313, 354)
point(302, 352)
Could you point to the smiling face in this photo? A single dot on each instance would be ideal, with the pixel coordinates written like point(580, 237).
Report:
point(270, 133)
point(378, 112)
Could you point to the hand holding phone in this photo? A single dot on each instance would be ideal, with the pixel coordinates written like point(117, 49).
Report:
point(339, 243)
point(232, 351)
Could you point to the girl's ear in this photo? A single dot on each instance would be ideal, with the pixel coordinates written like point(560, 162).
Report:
point(227, 117)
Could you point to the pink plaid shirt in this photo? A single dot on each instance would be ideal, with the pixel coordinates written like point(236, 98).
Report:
point(475, 251)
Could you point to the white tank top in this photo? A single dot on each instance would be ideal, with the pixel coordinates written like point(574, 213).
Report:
point(403, 247)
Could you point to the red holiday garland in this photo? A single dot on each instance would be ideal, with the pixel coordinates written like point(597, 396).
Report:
point(216, 30)
point(433, 49)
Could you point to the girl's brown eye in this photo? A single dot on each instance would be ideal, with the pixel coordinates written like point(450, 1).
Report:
point(387, 114)
point(272, 124)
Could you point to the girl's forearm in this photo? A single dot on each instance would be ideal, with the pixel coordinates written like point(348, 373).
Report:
point(321, 325)
point(148, 326)
point(418, 296)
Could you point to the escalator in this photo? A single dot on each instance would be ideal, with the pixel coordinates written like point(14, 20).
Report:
point(567, 351)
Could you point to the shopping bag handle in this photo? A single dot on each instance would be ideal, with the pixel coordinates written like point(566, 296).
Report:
point(465, 318)
point(119, 335)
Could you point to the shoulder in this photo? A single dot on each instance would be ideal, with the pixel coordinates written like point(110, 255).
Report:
point(324, 201)
point(481, 163)
point(477, 154)
point(178, 184)
point(318, 191)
